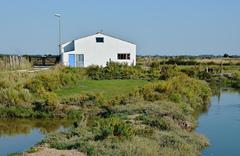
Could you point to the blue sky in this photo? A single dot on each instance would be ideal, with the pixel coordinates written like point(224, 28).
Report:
point(164, 27)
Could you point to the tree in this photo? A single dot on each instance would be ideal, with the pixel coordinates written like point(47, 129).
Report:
point(225, 55)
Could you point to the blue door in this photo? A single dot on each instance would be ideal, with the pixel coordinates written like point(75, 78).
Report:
point(71, 60)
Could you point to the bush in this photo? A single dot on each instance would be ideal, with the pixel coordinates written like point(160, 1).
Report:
point(169, 72)
point(114, 71)
point(87, 100)
point(156, 122)
point(235, 82)
point(179, 89)
point(95, 72)
point(16, 112)
point(74, 114)
point(4, 83)
point(180, 61)
point(53, 79)
point(13, 97)
point(47, 102)
point(51, 99)
point(113, 127)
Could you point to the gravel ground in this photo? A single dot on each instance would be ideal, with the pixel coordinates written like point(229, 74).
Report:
point(55, 152)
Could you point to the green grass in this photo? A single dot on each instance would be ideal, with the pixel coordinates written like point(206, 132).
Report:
point(108, 88)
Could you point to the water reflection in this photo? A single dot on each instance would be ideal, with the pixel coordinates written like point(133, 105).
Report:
point(221, 123)
point(15, 127)
point(218, 89)
point(218, 93)
point(20, 135)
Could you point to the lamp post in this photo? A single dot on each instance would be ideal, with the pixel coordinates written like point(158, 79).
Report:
point(59, 27)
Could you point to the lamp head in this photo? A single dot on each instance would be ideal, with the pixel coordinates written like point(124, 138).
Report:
point(57, 15)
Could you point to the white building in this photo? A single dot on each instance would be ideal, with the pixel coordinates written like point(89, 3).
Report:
point(97, 49)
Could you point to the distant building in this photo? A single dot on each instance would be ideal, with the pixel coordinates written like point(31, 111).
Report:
point(97, 49)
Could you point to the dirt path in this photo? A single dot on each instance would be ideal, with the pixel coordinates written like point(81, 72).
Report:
point(34, 69)
point(55, 152)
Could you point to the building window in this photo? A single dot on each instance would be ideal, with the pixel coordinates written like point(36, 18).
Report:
point(124, 56)
point(99, 39)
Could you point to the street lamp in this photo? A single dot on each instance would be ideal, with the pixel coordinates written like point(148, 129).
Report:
point(59, 22)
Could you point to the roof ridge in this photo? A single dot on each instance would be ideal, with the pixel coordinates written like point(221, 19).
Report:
point(96, 34)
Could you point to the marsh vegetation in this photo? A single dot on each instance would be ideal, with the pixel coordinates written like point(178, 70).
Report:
point(149, 109)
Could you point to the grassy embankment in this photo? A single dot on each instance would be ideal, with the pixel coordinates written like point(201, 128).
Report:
point(156, 119)
point(55, 93)
point(152, 119)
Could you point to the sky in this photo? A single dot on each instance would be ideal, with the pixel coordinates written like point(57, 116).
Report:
point(158, 27)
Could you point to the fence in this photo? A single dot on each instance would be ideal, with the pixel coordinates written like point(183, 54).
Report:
point(13, 62)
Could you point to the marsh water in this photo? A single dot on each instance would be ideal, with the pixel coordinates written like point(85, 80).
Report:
point(221, 124)
point(19, 135)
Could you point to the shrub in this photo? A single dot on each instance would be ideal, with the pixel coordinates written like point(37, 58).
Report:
point(74, 114)
point(236, 84)
point(16, 112)
point(236, 80)
point(156, 122)
point(169, 72)
point(13, 97)
point(47, 103)
point(53, 79)
point(179, 89)
point(87, 100)
point(95, 72)
point(113, 127)
point(51, 99)
point(114, 71)
point(180, 61)
point(4, 83)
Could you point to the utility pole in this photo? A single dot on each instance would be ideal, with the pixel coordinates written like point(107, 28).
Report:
point(60, 34)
